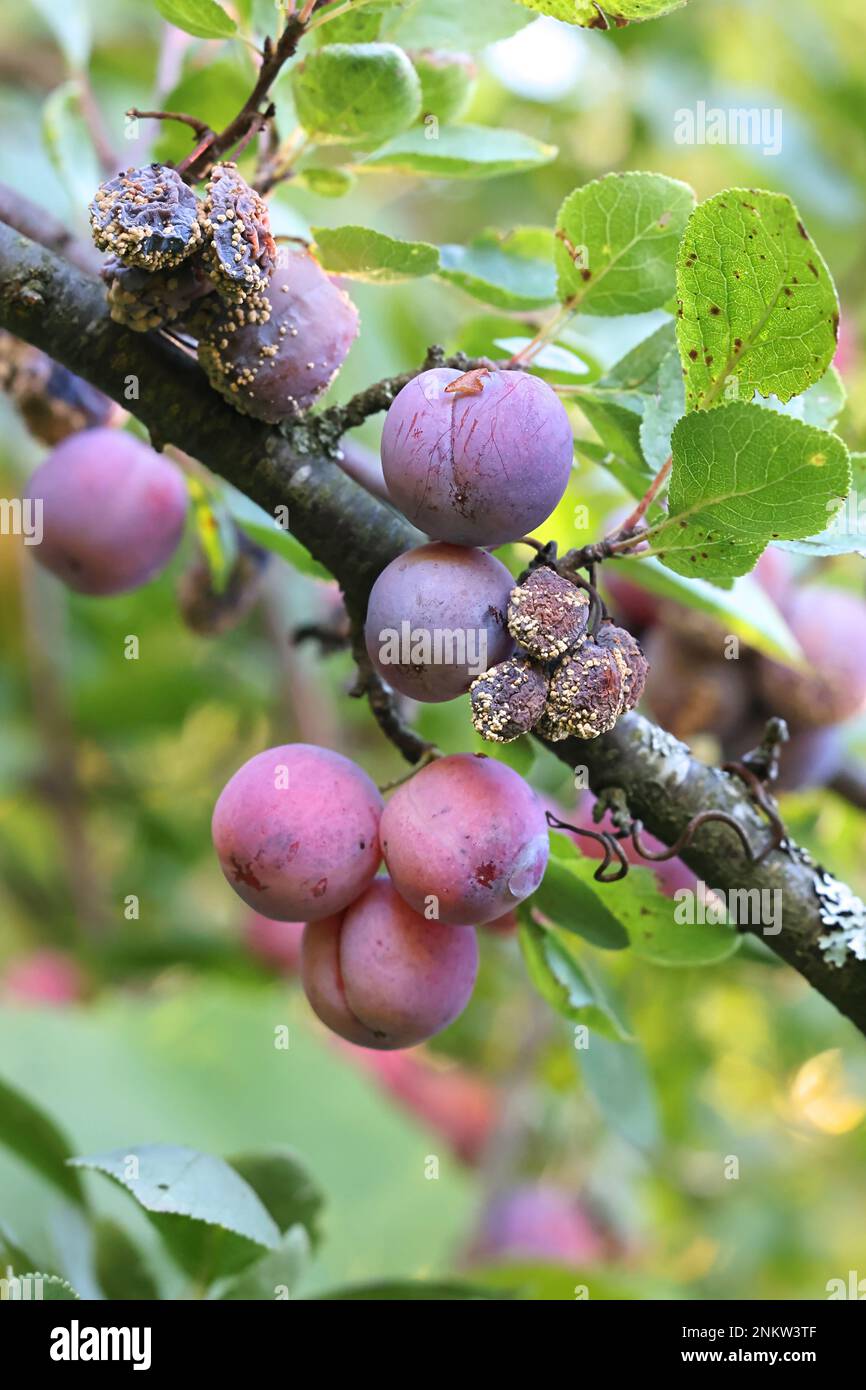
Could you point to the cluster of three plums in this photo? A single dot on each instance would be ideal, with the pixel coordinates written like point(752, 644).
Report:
point(386, 962)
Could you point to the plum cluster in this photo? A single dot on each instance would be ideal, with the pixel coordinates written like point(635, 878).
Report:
point(272, 331)
point(474, 460)
point(387, 961)
point(566, 680)
point(698, 692)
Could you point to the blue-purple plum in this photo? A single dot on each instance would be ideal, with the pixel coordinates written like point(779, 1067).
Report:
point(466, 838)
point(113, 511)
point(436, 619)
point(382, 976)
point(296, 832)
point(273, 370)
point(481, 463)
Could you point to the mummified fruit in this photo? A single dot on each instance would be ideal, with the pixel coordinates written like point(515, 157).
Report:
point(547, 614)
point(273, 359)
point(508, 700)
point(53, 402)
point(240, 251)
point(592, 687)
point(142, 300)
point(146, 217)
point(382, 975)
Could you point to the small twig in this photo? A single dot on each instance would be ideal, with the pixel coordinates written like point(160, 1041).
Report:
point(383, 707)
point(105, 152)
point(274, 56)
point(631, 523)
point(201, 128)
point(328, 639)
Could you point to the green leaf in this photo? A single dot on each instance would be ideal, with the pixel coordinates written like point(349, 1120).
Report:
point(324, 182)
point(742, 477)
point(744, 609)
point(119, 1265)
point(36, 1139)
point(363, 254)
point(664, 407)
point(617, 1077)
point(583, 12)
point(648, 915)
point(210, 1219)
point(757, 304)
point(284, 1187)
point(821, 404)
point(215, 531)
point(575, 904)
point(460, 152)
point(406, 1290)
point(846, 534)
point(276, 1274)
point(617, 240)
point(453, 23)
point(586, 13)
point(510, 270)
point(203, 18)
point(633, 380)
point(349, 93)
point(361, 26)
point(70, 22)
point(53, 1289)
point(550, 358)
point(215, 93)
point(11, 1252)
point(266, 532)
point(563, 982)
point(68, 143)
point(619, 430)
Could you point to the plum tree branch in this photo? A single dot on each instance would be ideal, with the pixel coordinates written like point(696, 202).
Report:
point(56, 307)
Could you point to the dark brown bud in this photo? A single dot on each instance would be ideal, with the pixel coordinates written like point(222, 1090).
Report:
point(508, 700)
point(547, 614)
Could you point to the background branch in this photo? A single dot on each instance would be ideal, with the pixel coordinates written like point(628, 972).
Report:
point(59, 309)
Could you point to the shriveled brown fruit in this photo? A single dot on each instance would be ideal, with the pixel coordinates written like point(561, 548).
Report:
point(143, 300)
point(53, 402)
point(594, 685)
point(692, 694)
point(147, 217)
point(547, 614)
point(508, 700)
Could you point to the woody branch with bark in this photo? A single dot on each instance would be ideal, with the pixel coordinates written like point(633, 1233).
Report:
point(60, 308)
